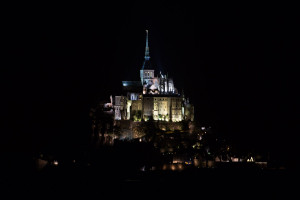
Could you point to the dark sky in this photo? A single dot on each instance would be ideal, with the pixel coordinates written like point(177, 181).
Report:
point(233, 61)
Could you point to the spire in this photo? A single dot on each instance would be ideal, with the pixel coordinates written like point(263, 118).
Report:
point(147, 55)
point(146, 64)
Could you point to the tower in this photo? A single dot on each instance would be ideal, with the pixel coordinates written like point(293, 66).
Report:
point(146, 73)
point(147, 54)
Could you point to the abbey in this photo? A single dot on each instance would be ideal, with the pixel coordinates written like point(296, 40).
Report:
point(153, 97)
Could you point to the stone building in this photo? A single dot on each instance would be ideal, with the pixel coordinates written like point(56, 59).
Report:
point(154, 96)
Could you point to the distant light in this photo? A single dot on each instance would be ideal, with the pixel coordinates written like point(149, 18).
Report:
point(164, 167)
point(140, 139)
point(180, 166)
point(202, 128)
point(173, 167)
point(55, 162)
point(250, 160)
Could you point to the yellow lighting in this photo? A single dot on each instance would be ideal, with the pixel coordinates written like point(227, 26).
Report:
point(173, 167)
point(164, 167)
point(180, 166)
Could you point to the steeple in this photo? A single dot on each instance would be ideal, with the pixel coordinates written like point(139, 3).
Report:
point(147, 64)
point(147, 55)
point(147, 72)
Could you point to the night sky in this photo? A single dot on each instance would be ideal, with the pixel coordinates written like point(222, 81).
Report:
point(233, 62)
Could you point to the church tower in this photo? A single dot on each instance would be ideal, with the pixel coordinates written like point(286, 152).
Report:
point(147, 72)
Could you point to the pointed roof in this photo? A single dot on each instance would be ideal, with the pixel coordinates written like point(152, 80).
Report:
point(147, 53)
point(147, 64)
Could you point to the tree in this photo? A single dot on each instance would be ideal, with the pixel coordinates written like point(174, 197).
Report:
point(159, 116)
point(150, 129)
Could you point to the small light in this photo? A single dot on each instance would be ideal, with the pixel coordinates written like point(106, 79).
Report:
point(55, 162)
point(173, 167)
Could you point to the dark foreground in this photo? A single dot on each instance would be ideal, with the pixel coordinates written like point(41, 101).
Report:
point(98, 183)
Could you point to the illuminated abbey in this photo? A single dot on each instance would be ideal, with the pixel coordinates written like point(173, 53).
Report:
point(154, 96)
